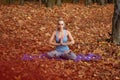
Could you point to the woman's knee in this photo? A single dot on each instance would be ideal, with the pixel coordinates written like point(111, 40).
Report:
point(54, 54)
point(72, 56)
point(51, 54)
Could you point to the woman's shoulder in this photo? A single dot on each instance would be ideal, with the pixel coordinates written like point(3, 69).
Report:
point(67, 31)
point(54, 32)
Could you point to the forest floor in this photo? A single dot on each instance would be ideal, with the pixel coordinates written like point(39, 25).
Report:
point(27, 29)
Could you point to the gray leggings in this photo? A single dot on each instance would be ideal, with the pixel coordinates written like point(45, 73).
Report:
point(64, 55)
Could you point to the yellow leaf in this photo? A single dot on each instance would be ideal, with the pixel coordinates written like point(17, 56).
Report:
point(17, 77)
point(29, 17)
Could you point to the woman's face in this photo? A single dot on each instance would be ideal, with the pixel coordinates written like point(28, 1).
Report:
point(61, 24)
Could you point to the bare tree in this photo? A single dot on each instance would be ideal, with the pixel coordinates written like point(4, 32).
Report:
point(22, 2)
point(116, 23)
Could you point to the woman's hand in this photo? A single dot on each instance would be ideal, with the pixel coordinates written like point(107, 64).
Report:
point(65, 44)
point(61, 42)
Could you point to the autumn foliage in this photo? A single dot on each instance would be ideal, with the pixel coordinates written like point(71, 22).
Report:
point(27, 29)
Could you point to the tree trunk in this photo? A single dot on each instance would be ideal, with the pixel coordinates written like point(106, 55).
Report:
point(110, 1)
point(94, 1)
point(102, 2)
point(88, 2)
point(59, 2)
point(66, 1)
point(75, 1)
point(9, 1)
point(21, 2)
point(116, 23)
point(114, 1)
point(50, 3)
point(40, 2)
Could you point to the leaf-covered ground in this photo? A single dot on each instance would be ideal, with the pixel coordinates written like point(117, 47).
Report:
point(27, 29)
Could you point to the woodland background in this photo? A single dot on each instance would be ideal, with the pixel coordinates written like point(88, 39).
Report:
point(26, 30)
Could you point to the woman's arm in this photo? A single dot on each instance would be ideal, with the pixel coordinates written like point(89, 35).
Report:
point(71, 39)
point(52, 38)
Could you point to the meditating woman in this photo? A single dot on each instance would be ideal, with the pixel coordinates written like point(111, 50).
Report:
point(61, 36)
